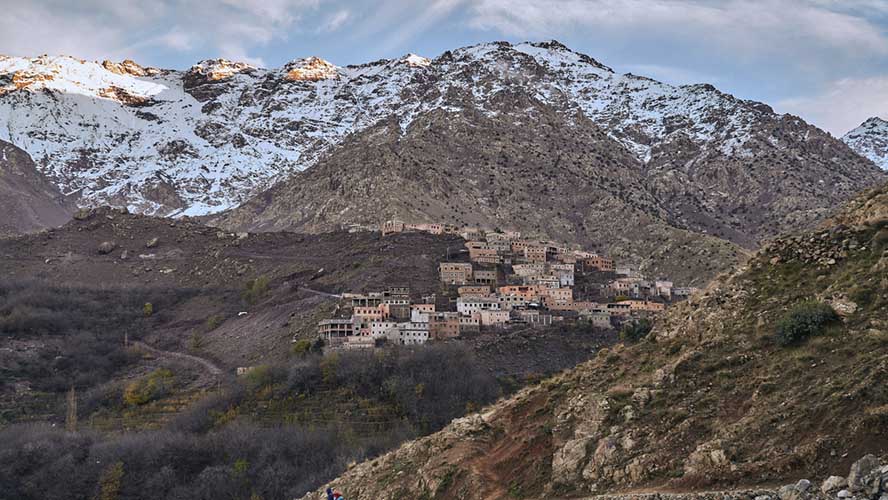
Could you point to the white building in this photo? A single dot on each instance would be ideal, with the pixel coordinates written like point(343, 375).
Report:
point(509, 302)
point(380, 329)
point(467, 306)
point(413, 333)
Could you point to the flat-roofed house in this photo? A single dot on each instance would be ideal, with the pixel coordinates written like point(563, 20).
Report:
point(645, 306)
point(530, 293)
point(494, 318)
point(455, 273)
point(473, 291)
point(484, 277)
point(557, 299)
point(535, 253)
point(598, 263)
point(444, 325)
point(368, 313)
point(392, 226)
point(335, 331)
point(467, 306)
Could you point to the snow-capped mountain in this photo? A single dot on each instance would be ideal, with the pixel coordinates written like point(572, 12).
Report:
point(198, 141)
point(206, 139)
point(870, 140)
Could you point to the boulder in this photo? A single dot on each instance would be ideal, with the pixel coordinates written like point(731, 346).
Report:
point(82, 214)
point(107, 247)
point(863, 474)
point(799, 491)
point(152, 243)
point(833, 483)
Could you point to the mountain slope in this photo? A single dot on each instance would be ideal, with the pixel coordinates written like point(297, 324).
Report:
point(870, 140)
point(541, 139)
point(709, 401)
point(195, 141)
point(521, 165)
point(28, 201)
point(203, 140)
point(205, 272)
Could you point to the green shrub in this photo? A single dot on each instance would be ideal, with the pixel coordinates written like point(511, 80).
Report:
point(148, 309)
point(802, 321)
point(214, 322)
point(256, 289)
point(302, 347)
point(147, 389)
point(634, 331)
point(196, 341)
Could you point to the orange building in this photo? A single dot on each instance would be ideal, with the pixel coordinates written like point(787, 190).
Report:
point(456, 273)
point(645, 305)
point(530, 293)
point(599, 263)
point(559, 299)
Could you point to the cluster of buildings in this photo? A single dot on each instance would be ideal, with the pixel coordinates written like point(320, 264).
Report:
point(497, 281)
point(367, 319)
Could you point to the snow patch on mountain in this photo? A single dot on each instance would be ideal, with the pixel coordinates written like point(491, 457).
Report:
point(69, 76)
point(870, 140)
point(206, 139)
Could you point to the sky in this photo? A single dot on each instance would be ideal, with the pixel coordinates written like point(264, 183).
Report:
point(825, 60)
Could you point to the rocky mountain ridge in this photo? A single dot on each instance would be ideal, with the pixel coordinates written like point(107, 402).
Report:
point(870, 140)
point(28, 201)
point(711, 400)
point(204, 140)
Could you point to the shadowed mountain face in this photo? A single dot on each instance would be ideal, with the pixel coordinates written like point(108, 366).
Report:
point(28, 201)
point(771, 374)
point(522, 164)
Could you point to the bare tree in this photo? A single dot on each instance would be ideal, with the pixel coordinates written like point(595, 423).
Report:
point(71, 417)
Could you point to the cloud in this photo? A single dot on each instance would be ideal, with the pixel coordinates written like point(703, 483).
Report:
point(175, 39)
point(410, 28)
point(28, 29)
point(97, 29)
point(843, 105)
point(335, 21)
point(749, 28)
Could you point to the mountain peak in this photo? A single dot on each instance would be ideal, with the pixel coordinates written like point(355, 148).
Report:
point(870, 140)
point(415, 60)
point(219, 69)
point(875, 121)
point(311, 69)
point(127, 67)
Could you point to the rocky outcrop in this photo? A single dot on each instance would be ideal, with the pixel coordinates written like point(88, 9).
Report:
point(867, 480)
point(128, 67)
point(28, 201)
point(311, 69)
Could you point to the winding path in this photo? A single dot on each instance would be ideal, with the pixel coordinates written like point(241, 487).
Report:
point(208, 365)
point(322, 294)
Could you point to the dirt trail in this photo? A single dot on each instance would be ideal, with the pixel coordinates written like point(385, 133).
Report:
point(322, 294)
point(209, 366)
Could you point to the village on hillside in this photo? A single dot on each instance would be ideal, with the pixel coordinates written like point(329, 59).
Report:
point(500, 280)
